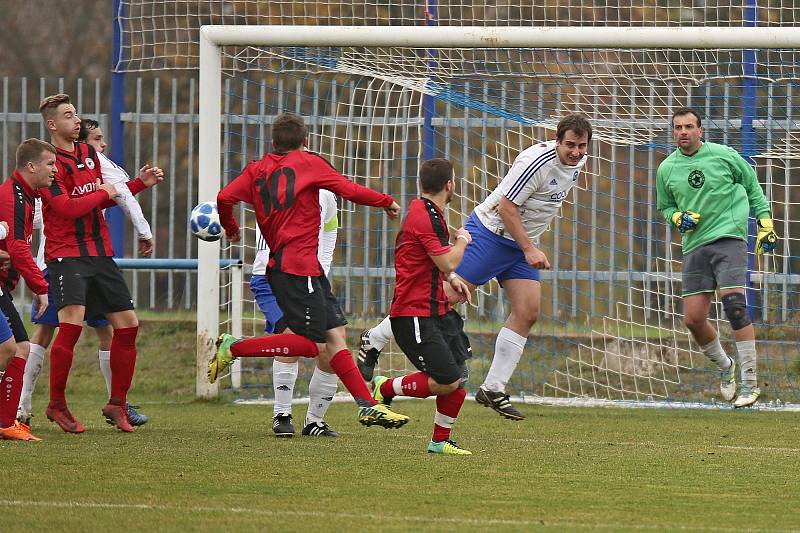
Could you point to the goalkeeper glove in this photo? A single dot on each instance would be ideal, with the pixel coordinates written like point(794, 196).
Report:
point(685, 220)
point(767, 239)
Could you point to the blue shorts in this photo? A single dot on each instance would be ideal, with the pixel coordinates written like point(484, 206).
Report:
point(50, 316)
point(265, 299)
point(5, 329)
point(492, 256)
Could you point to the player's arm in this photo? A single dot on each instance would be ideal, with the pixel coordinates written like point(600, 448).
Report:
point(766, 238)
point(512, 222)
point(745, 175)
point(447, 258)
point(57, 198)
point(239, 190)
point(117, 176)
point(19, 248)
point(328, 231)
point(328, 178)
point(684, 221)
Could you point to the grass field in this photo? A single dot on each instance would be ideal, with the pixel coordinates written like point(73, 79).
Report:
point(214, 466)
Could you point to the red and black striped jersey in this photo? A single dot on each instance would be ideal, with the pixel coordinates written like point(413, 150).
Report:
point(283, 189)
point(16, 208)
point(419, 284)
point(72, 208)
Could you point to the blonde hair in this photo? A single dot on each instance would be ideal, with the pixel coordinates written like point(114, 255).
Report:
point(48, 106)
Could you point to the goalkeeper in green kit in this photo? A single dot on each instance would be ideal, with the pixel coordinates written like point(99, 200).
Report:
point(707, 191)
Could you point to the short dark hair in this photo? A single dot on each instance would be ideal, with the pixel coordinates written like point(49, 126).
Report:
point(31, 151)
point(685, 111)
point(48, 106)
point(434, 175)
point(87, 125)
point(576, 123)
point(288, 132)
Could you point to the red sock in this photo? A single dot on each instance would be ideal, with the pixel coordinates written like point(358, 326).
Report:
point(447, 408)
point(61, 361)
point(11, 391)
point(415, 385)
point(281, 345)
point(123, 363)
point(345, 367)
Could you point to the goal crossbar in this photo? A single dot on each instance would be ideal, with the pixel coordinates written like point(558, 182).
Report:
point(503, 37)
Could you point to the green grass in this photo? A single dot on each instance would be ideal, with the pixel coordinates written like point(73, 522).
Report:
point(214, 466)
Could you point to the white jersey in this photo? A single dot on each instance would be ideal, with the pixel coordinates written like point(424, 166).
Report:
point(538, 183)
point(328, 230)
point(116, 176)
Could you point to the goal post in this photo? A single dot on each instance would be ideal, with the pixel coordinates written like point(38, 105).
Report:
point(613, 315)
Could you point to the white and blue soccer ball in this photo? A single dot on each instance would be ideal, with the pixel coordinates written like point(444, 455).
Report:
point(204, 222)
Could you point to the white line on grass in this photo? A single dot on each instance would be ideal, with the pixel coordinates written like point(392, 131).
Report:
point(369, 516)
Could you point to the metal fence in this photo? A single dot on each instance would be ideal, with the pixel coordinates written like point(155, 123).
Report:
point(160, 127)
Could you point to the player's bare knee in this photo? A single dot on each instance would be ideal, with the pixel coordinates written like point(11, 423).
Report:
point(324, 354)
point(7, 352)
point(443, 388)
point(694, 322)
point(735, 306)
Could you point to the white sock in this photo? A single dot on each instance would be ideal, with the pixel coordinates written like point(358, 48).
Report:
point(380, 335)
point(713, 350)
point(33, 367)
point(105, 367)
point(507, 352)
point(321, 389)
point(283, 377)
point(747, 361)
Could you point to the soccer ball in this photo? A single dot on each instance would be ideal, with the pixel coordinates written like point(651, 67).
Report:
point(204, 222)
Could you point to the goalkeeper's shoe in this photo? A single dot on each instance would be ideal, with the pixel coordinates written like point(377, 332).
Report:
point(223, 358)
point(118, 416)
point(367, 356)
point(319, 429)
point(18, 431)
point(748, 395)
point(381, 415)
point(499, 401)
point(376, 390)
point(447, 447)
point(61, 416)
point(727, 382)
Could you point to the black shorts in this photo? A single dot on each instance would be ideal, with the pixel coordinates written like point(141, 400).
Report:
point(14, 320)
point(94, 282)
point(435, 345)
point(309, 307)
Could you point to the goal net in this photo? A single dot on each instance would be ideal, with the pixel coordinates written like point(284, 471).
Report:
point(610, 326)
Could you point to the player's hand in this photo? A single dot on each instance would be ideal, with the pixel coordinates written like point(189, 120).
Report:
point(145, 247)
point(234, 236)
point(536, 258)
point(4, 225)
point(461, 292)
point(110, 189)
point(685, 221)
point(767, 239)
point(151, 176)
point(41, 304)
point(463, 235)
point(393, 210)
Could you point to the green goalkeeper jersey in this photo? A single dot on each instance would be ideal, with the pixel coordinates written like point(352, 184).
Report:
point(715, 182)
